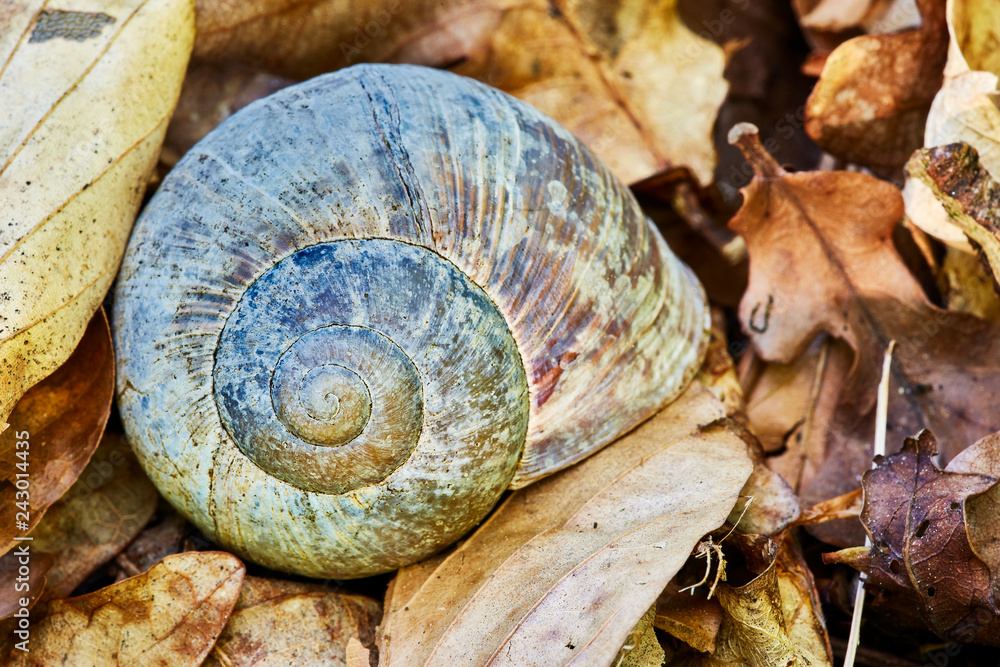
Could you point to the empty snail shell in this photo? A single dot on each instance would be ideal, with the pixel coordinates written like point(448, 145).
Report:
point(362, 308)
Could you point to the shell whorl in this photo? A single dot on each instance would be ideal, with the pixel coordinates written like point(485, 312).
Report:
point(363, 307)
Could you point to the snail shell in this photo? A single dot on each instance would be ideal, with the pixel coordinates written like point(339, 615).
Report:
point(362, 308)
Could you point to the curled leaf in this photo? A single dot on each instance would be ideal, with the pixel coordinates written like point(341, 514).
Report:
point(964, 110)
point(60, 420)
point(968, 193)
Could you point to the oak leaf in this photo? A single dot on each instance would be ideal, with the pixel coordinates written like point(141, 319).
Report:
point(565, 568)
point(933, 536)
point(170, 616)
point(822, 260)
point(87, 96)
point(62, 419)
point(602, 71)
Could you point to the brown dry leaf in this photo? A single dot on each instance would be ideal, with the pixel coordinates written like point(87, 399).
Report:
point(791, 407)
point(604, 71)
point(277, 623)
point(169, 616)
point(822, 260)
point(152, 545)
point(63, 417)
point(872, 98)
point(565, 568)
point(22, 577)
point(102, 512)
point(967, 192)
point(693, 619)
point(88, 94)
point(211, 94)
point(773, 619)
point(933, 543)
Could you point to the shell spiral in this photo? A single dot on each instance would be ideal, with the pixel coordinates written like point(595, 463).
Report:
point(363, 307)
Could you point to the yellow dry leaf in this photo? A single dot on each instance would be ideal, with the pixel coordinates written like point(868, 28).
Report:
point(87, 90)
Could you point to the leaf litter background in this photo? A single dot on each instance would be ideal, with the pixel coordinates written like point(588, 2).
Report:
point(825, 166)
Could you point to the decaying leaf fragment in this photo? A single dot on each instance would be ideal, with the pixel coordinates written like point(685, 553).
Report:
point(772, 618)
point(604, 71)
point(101, 513)
point(278, 623)
point(566, 567)
point(964, 110)
point(933, 538)
point(87, 95)
point(63, 417)
point(169, 616)
point(967, 192)
point(872, 98)
point(822, 260)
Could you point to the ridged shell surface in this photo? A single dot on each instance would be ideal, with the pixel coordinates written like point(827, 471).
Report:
point(363, 307)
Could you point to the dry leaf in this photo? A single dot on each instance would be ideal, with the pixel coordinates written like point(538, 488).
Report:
point(305, 628)
point(357, 654)
point(642, 648)
point(791, 407)
point(22, 577)
point(87, 97)
point(152, 545)
point(693, 619)
point(61, 419)
point(872, 99)
point(604, 72)
point(169, 616)
point(822, 260)
point(933, 538)
point(101, 513)
point(565, 568)
point(964, 110)
point(211, 94)
point(773, 619)
point(967, 192)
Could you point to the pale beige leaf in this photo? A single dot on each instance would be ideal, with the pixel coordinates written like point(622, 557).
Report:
point(303, 629)
point(565, 568)
point(88, 89)
point(630, 79)
point(168, 616)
